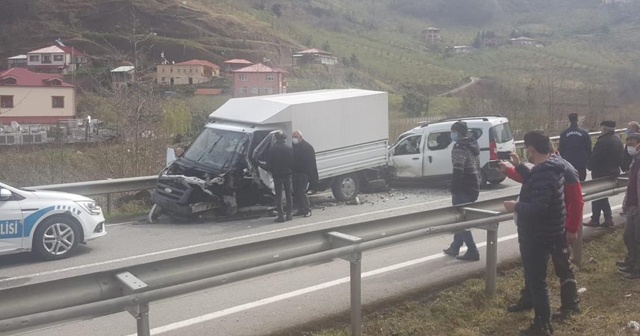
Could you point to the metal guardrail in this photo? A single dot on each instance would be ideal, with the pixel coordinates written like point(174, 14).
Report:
point(520, 143)
point(132, 288)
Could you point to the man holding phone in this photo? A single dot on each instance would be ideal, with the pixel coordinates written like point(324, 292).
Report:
point(465, 185)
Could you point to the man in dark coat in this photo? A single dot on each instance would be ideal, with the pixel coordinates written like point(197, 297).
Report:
point(305, 173)
point(575, 146)
point(540, 220)
point(465, 185)
point(279, 164)
point(605, 161)
point(630, 266)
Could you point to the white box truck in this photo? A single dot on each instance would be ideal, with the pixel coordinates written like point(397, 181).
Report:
point(223, 168)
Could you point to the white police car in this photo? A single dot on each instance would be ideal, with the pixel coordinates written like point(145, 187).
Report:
point(49, 223)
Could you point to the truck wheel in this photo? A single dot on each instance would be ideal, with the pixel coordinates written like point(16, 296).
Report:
point(56, 238)
point(345, 187)
point(498, 181)
point(154, 213)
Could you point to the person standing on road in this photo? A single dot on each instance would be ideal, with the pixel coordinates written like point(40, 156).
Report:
point(605, 161)
point(632, 127)
point(279, 164)
point(465, 185)
point(561, 254)
point(630, 266)
point(540, 220)
point(305, 173)
point(575, 146)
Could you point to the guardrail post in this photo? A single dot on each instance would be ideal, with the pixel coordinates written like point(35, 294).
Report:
point(492, 262)
point(577, 248)
point(492, 245)
point(108, 204)
point(355, 264)
point(140, 311)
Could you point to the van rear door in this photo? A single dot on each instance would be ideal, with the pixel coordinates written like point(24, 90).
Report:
point(502, 136)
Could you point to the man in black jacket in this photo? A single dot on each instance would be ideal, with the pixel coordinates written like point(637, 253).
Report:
point(605, 161)
point(279, 164)
point(633, 127)
point(305, 173)
point(575, 146)
point(465, 185)
point(540, 219)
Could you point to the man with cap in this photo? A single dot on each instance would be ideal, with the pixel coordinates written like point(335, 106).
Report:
point(465, 185)
point(632, 127)
point(605, 161)
point(280, 164)
point(575, 146)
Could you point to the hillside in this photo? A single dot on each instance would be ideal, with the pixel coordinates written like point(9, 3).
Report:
point(380, 43)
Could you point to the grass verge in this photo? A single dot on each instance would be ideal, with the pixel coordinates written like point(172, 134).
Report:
point(464, 310)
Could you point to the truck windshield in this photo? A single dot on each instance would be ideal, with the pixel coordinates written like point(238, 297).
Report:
point(217, 148)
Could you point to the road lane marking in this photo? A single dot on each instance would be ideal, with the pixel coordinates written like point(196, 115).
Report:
point(311, 289)
point(189, 247)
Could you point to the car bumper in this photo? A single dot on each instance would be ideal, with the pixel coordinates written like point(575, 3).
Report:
point(94, 227)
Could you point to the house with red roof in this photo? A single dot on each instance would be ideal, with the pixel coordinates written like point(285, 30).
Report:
point(258, 80)
point(187, 73)
point(35, 98)
point(57, 58)
point(235, 64)
point(315, 56)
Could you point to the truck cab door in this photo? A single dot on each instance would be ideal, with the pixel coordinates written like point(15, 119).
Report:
point(407, 157)
point(11, 224)
point(437, 157)
point(259, 160)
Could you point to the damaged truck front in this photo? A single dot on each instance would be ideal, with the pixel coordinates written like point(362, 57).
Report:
point(224, 168)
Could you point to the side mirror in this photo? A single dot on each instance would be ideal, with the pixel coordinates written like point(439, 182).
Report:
point(5, 194)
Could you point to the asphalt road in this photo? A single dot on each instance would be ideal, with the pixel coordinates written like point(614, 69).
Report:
point(270, 303)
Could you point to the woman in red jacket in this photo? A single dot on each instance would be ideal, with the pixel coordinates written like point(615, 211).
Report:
point(561, 254)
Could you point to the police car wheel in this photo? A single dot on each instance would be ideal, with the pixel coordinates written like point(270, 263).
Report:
point(56, 238)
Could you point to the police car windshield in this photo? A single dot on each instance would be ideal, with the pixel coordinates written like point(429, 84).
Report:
point(217, 148)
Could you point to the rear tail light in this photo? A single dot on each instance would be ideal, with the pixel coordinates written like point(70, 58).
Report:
point(493, 151)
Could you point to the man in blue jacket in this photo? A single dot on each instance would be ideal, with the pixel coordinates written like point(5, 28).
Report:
point(541, 213)
point(575, 146)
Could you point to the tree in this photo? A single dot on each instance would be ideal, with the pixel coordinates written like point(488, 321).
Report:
point(354, 61)
point(326, 46)
point(415, 104)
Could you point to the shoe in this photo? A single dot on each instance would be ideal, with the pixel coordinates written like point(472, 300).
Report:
point(621, 263)
point(520, 306)
point(279, 220)
point(537, 329)
point(625, 269)
point(592, 223)
point(634, 275)
point(307, 215)
point(451, 252)
point(299, 214)
point(469, 256)
point(607, 223)
point(288, 218)
point(565, 313)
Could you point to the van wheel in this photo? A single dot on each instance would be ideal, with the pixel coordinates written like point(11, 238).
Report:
point(345, 187)
point(498, 181)
point(483, 178)
point(56, 238)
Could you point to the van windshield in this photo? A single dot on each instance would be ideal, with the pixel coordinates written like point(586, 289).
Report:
point(501, 133)
point(218, 149)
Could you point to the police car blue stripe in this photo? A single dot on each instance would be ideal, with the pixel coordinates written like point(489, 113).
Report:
point(31, 220)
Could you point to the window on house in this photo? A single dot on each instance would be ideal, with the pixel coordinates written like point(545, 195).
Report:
point(190, 70)
point(57, 102)
point(171, 70)
point(9, 81)
point(34, 58)
point(164, 79)
point(254, 90)
point(269, 90)
point(46, 58)
point(6, 101)
point(58, 58)
point(162, 70)
point(242, 77)
point(55, 82)
point(270, 77)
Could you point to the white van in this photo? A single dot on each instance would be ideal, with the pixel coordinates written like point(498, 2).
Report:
point(425, 151)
